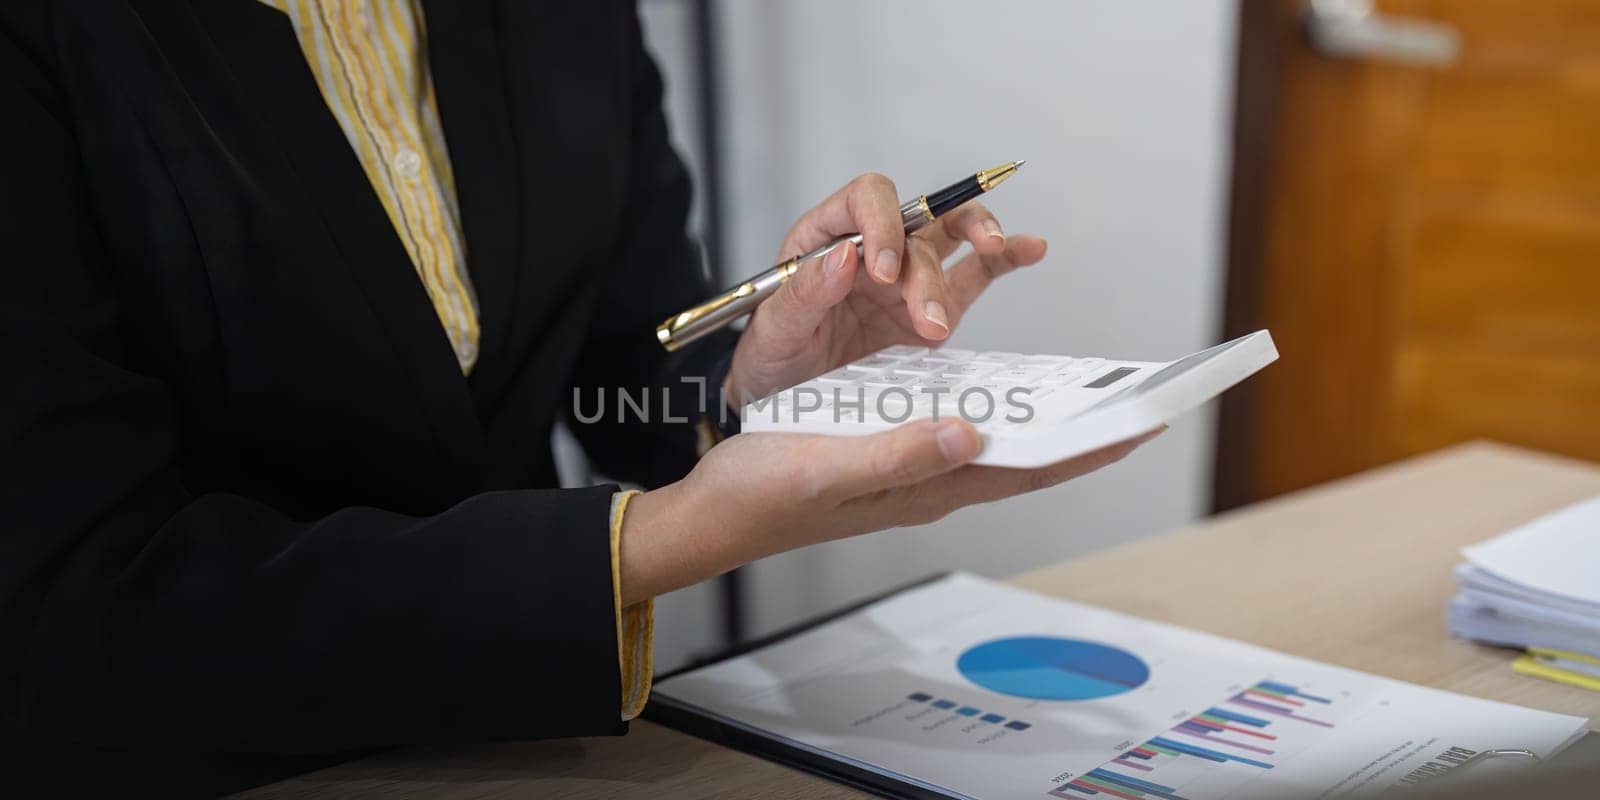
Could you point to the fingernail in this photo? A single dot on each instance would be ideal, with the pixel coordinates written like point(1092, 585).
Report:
point(993, 229)
point(887, 267)
point(957, 442)
point(934, 311)
point(834, 261)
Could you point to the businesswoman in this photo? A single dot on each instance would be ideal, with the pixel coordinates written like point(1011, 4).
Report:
point(294, 291)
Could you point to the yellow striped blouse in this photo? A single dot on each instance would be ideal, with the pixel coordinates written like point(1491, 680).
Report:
point(370, 61)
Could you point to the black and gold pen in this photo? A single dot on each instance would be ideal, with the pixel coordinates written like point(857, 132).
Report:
point(681, 329)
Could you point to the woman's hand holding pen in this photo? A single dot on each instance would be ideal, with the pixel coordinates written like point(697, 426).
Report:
point(837, 309)
point(763, 493)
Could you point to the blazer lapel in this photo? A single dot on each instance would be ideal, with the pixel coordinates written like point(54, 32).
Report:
point(532, 133)
point(243, 68)
point(465, 59)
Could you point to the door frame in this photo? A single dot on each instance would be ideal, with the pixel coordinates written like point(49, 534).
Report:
point(1266, 28)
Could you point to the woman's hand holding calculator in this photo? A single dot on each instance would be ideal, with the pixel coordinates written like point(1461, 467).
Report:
point(758, 494)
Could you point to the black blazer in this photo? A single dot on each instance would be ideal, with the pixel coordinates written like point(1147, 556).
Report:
point(252, 515)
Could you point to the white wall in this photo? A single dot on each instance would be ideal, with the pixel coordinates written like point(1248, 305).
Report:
point(1121, 108)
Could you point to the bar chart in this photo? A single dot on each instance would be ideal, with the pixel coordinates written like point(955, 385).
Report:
point(1248, 729)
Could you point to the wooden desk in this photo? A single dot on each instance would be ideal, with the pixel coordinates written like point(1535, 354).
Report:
point(1360, 576)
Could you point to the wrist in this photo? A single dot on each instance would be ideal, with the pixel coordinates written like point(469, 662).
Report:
point(642, 524)
point(669, 540)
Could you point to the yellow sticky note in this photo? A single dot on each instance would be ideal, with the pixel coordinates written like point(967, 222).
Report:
point(1529, 665)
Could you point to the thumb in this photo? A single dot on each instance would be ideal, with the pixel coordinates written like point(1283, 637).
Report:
point(800, 304)
point(909, 454)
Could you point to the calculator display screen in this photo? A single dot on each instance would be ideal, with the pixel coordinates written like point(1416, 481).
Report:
point(1111, 377)
point(1163, 375)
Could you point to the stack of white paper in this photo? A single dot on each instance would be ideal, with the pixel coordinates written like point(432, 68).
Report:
point(1535, 586)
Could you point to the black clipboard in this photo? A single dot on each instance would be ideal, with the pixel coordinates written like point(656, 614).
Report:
point(666, 711)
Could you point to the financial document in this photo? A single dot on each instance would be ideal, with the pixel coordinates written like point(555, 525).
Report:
point(970, 688)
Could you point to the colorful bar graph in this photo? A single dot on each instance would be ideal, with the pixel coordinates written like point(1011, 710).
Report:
point(1239, 718)
point(1208, 754)
point(1241, 700)
point(1292, 691)
point(1275, 697)
point(1114, 784)
point(1128, 782)
point(1101, 787)
point(1250, 747)
point(1217, 736)
point(1216, 722)
point(1181, 749)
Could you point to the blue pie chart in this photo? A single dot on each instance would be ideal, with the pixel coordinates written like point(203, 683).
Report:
point(1052, 668)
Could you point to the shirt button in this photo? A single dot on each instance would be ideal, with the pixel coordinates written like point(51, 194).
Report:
point(408, 163)
point(467, 351)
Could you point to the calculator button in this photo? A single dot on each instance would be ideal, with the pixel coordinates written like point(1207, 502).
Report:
point(903, 351)
point(1050, 362)
point(845, 375)
point(921, 366)
point(876, 362)
point(997, 357)
point(996, 389)
point(889, 379)
point(1087, 364)
point(1017, 375)
point(951, 354)
point(967, 370)
point(938, 383)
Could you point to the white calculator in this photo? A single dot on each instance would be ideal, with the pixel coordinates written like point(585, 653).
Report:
point(1032, 409)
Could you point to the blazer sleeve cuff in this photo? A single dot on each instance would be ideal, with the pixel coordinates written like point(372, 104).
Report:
point(635, 624)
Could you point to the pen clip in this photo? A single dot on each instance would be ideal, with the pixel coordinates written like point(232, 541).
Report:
point(687, 326)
